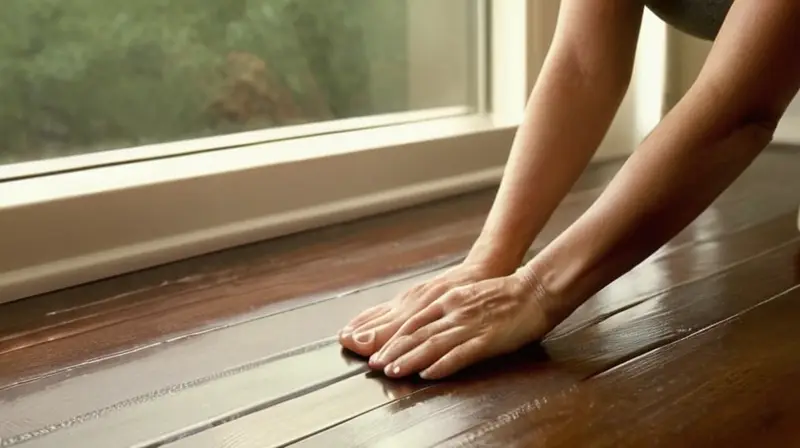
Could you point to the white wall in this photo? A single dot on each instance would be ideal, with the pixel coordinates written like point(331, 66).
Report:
point(644, 104)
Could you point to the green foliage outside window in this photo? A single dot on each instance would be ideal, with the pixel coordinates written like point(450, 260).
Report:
point(86, 75)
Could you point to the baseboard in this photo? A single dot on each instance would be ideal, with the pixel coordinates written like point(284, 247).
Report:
point(81, 269)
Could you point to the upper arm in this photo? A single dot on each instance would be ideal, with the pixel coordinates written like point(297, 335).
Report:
point(599, 36)
point(753, 70)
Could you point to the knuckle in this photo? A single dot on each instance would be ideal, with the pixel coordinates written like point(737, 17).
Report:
point(401, 341)
point(468, 313)
point(480, 342)
point(465, 290)
point(439, 289)
point(435, 341)
point(453, 297)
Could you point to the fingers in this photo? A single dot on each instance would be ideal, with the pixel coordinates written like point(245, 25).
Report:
point(461, 356)
point(363, 340)
point(371, 330)
point(350, 333)
point(428, 352)
point(401, 341)
point(400, 345)
point(366, 316)
point(367, 342)
point(429, 314)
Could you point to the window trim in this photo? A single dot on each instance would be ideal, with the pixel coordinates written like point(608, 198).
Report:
point(143, 153)
point(78, 226)
point(96, 223)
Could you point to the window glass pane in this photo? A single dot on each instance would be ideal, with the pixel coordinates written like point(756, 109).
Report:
point(81, 76)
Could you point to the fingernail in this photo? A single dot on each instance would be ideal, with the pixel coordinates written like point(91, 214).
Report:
point(425, 375)
point(364, 338)
point(376, 358)
point(392, 369)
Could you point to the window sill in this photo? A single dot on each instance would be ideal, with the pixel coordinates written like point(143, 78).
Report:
point(115, 219)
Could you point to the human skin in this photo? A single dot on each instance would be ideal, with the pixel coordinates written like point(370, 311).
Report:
point(490, 306)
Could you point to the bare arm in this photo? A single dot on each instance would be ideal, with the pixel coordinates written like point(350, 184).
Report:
point(706, 141)
point(582, 83)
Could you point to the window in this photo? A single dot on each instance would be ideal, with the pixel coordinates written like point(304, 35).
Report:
point(138, 133)
point(87, 76)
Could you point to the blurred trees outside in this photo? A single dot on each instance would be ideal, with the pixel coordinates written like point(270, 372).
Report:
point(79, 76)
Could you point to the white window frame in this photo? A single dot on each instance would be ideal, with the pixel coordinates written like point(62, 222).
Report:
point(78, 225)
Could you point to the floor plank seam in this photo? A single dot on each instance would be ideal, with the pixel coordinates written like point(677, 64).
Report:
point(605, 316)
point(473, 433)
point(232, 323)
point(176, 388)
point(409, 396)
point(105, 301)
point(10, 338)
point(84, 363)
point(693, 334)
point(428, 267)
point(251, 410)
point(327, 428)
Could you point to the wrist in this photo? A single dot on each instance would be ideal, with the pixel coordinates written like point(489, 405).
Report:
point(498, 259)
point(560, 280)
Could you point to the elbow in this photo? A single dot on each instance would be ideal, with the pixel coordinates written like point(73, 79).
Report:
point(763, 120)
point(759, 124)
point(762, 132)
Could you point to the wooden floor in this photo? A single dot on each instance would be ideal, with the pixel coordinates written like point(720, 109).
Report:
point(697, 346)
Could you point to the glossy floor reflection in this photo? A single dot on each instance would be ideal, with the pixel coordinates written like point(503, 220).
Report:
point(697, 346)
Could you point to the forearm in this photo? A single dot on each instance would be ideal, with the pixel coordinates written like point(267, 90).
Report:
point(565, 119)
point(576, 96)
point(665, 185)
point(704, 143)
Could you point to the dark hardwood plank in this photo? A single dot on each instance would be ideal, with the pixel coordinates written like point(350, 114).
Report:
point(732, 385)
point(676, 265)
point(245, 282)
point(28, 408)
point(493, 392)
point(258, 283)
point(585, 353)
point(679, 311)
point(45, 351)
point(181, 361)
point(161, 331)
point(308, 414)
point(177, 409)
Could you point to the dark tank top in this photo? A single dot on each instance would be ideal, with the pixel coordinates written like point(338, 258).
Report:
point(700, 18)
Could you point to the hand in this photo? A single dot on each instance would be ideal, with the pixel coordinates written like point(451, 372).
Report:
point(466, 325)
point(369, 331)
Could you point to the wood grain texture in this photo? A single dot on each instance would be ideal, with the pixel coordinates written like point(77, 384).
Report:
point(730, 385)
point(232, 349)
point(574, 362)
